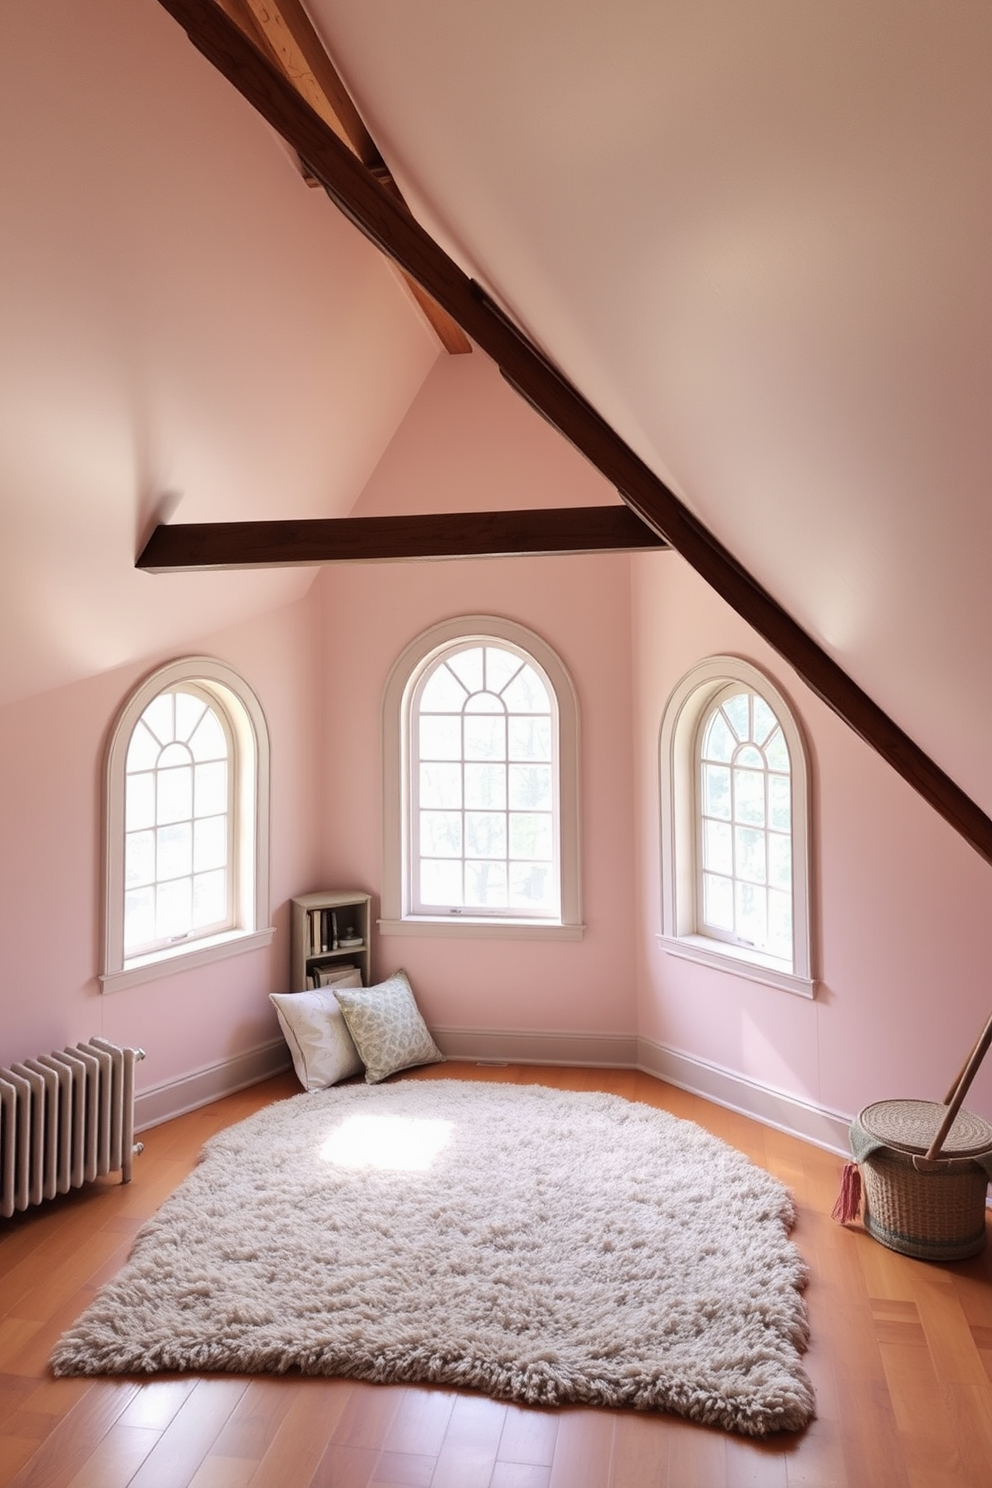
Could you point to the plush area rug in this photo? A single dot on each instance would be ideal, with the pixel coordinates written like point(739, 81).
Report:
point(543, 1246)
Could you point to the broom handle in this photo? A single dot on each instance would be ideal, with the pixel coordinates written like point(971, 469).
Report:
point(959, 1090)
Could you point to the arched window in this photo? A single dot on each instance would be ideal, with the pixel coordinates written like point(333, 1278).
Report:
point(735, 815)
point(186, 823)
point(480, 749)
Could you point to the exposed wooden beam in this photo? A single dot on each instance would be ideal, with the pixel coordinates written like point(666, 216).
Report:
point(195, 546)
point(392, 228)
point(290, 34)
point(284, 33)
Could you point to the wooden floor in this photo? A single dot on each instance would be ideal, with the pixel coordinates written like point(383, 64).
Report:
point(901, 1360)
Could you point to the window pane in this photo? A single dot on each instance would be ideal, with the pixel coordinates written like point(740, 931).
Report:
point(139, 918)
point(749, 797)
point(777, 752)
point(501, 667)
point(209, 843)
point(189, 711)
point(484, 702)
point(780, 924)
point(780, 802)
point(441, 834)
point(718, 902)
point(716, 791)
point(502, 811)
point(175, 794)
point(210, 788)
point(485, 834)
point(532, 887)
point(485, 738)
point(443, 693)
point(467, 667)
point(764, 719)
point(441, 785)
point(173, 755)
point(527, 693)
point(160, 717)
point(175, 851)
point(209, 742)
point(139, 797)
point(751, 758)
point(143, 750)
point(718, 849)
point(173, 909)
point(485, 885)
point(530, 787)
point(440, 738)
point(530, 835)
point(752, 914)
point(441, 882)
point(750, 849)
point(719, 742)
point(139, 859)
point(779, 861)
point(485, 787)
point(209, 899)
point(529, 738)
point(737, 713)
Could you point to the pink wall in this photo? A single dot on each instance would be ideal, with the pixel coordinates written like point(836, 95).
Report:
point(900, 903)
point(470, 443)
point(580, 607)
point(52, 747)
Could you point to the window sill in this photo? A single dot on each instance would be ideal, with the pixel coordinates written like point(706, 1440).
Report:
point(488, 928)
point(751, 966)
point(185, 958)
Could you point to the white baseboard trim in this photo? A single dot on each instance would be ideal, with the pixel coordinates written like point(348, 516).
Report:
point(504, 1046)
point(786, 1113)
point(176, 1097)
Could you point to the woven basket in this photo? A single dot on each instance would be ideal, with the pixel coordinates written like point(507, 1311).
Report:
point(933, 1211)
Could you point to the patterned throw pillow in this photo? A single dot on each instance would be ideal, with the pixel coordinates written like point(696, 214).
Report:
point(387, 1028)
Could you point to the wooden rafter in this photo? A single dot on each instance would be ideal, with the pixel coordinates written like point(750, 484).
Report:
point(196, 546)
point(392, 228)
point(284, 34)
point(293, 41)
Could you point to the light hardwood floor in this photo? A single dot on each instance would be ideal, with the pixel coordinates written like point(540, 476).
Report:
point(901, 1360)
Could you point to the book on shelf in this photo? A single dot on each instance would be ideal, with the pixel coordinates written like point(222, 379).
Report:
point(323, 931)
point(327, 976)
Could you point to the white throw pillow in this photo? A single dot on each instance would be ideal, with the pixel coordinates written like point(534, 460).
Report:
point(387, 1028)
point(317, 1035)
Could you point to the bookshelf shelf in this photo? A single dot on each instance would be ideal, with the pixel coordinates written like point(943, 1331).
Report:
point(319, 924)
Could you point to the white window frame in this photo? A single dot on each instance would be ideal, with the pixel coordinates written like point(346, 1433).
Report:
point(398, 916)
point(230, 695)
point(678, 763)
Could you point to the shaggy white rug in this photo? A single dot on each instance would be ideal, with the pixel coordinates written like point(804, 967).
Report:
point(543, 1246)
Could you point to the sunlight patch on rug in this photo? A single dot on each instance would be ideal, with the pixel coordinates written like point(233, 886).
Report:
point(544, 1246)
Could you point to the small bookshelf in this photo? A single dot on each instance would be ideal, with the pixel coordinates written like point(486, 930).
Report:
point(330, 932)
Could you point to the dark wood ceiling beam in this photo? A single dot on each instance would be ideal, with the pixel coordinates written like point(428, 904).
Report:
point(388, 224)
point(196, 546)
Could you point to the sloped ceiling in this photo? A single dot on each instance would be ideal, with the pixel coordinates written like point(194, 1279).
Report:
point(179, 313)
point(757, 237)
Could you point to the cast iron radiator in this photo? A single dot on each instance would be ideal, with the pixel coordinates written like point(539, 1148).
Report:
point(65, 1119)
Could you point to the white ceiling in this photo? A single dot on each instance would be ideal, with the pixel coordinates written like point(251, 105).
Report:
point(759, 239)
